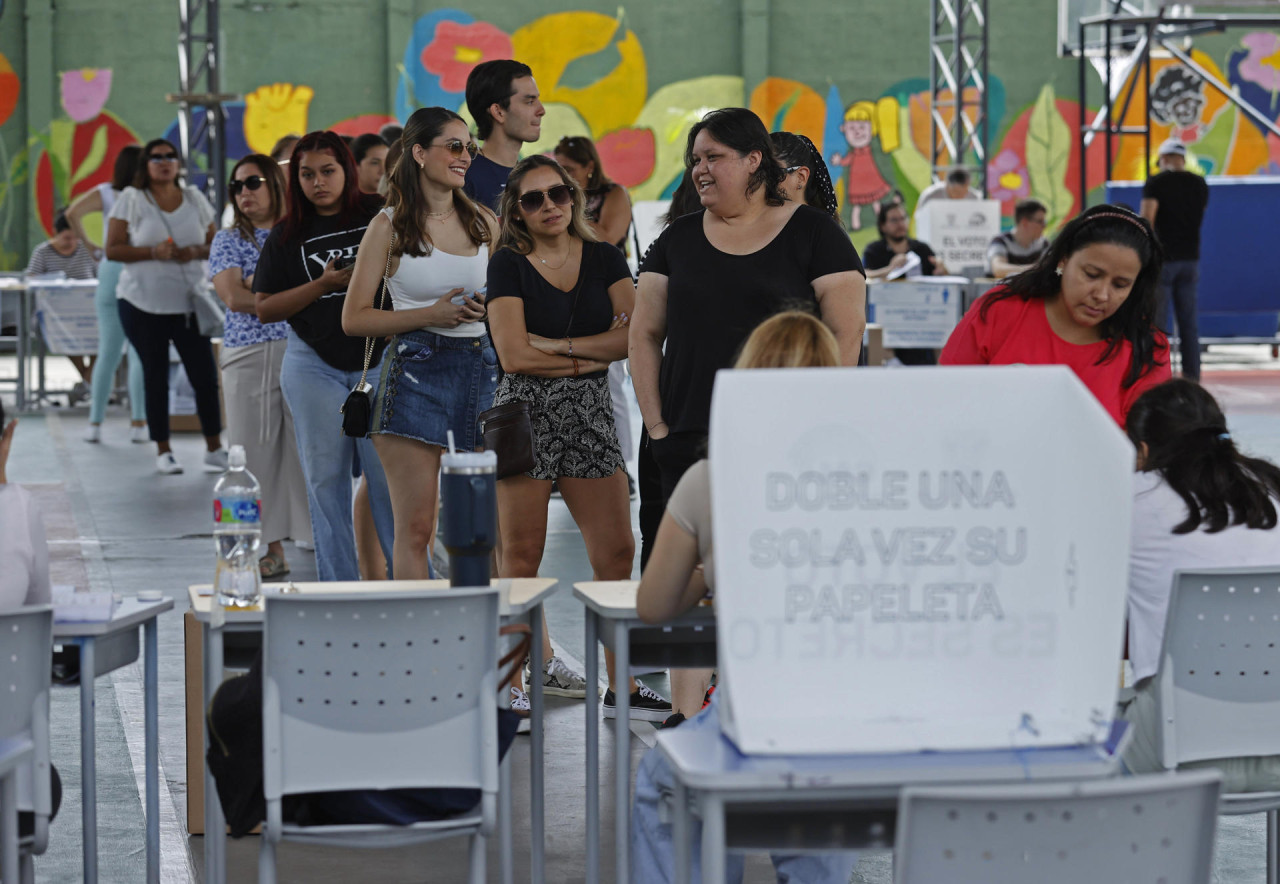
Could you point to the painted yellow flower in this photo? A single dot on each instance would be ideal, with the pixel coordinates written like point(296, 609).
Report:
point(273, 111)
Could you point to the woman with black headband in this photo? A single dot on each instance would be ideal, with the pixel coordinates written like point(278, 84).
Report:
point(807, 179)
point(1088, 303)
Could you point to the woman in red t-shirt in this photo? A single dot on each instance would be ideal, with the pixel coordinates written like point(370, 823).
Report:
point(1088, 303)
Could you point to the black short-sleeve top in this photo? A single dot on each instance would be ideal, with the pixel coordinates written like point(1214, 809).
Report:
point(715, 300)
point(547, 309)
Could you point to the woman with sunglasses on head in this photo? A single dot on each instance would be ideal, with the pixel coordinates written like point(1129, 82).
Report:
point(161, 230)
point(608, 205)
point(1088, 303)
point(441, 369)
point(252, 353)
point(302, 276)
point(806, 178)
point(556, 301)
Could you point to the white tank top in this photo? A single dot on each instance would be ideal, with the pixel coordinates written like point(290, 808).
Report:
point(421, 282)
point(108, 197)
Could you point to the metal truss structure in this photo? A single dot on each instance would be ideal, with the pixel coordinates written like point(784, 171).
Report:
point(201, 118)
point(958, 65)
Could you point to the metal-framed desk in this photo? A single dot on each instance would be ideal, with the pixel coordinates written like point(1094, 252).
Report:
point(104, 647)
point(17, 288)
point(853, 798)
point(14, 751)
point(688, 641)
point(521, 603)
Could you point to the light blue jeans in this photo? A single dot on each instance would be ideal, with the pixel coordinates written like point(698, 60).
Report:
point(314, 391)
point(111, 347)
point(652, 853)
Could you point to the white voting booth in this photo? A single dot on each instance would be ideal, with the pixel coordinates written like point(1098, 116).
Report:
point(954, 581)
point(919, 312)
point(959, 231)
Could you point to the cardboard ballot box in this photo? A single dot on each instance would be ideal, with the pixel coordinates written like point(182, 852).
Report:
point(939, 557)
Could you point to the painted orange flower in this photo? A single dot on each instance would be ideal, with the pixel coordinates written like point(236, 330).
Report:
point(457, 48)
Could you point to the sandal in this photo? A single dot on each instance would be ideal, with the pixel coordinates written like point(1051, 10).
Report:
point(272, 565)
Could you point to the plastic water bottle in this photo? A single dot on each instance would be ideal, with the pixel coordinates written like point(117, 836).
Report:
point(237, 533)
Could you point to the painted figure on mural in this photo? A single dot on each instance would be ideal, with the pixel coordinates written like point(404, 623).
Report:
point(1177, 99)
point(864, 185)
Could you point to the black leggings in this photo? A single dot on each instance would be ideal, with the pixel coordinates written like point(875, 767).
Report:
point(150, 334)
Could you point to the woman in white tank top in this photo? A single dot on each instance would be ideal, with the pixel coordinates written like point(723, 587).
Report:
point(441, 369)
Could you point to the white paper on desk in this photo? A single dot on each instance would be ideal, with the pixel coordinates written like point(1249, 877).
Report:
point(70, 606)
point(912, 561)
point(909, 269)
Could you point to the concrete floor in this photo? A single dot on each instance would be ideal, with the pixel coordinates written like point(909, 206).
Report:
point(115, 525)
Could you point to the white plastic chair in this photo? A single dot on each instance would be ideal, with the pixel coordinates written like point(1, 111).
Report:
point(1154, 828)
point(26, 655)
point(380, 691)
point(1218, 687)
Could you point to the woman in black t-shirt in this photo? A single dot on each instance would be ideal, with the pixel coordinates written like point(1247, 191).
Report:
point(558, 307)
point(713, 276)
point(297, 279)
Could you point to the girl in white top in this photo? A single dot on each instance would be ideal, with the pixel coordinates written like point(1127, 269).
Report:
point(1198, 503)
point(441, 370)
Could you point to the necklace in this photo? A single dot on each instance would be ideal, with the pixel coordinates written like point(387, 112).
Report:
point(567, 255)
point(441, 214)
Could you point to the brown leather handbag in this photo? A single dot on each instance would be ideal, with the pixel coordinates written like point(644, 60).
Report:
point(508, 432)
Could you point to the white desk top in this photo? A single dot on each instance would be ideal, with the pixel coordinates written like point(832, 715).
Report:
point(128, 615)
point(518, 595)
point(616, 600)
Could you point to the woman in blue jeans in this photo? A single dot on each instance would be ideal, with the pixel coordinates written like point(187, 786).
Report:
point(680, 576)
point(298, 279)
point(111, 340)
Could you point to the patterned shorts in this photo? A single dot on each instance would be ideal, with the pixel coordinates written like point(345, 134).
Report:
point(573, 431)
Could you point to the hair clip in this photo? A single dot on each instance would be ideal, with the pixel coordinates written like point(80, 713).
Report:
point(1132, 219)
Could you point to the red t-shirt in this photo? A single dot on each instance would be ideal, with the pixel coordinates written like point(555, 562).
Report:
point(1017, 331)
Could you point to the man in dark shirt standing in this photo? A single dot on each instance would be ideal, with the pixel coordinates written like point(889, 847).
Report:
point(1174, 201)
point(503, 99)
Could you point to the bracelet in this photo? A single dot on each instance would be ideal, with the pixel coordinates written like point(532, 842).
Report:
point(658, 424)
point(570, 340)
point(575, 365)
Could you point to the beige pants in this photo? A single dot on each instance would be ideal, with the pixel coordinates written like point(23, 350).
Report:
point(259, 419)
point(1254, 774)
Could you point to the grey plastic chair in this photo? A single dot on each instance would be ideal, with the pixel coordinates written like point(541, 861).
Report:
point(380, 691)
point(1218, 687)
point(26, 654)
point(1155, 829)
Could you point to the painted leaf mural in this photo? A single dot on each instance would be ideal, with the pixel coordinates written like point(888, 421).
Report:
point(1048, 156)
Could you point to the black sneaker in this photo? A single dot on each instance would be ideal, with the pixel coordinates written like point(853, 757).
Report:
point(674, 720)
point(645, 705)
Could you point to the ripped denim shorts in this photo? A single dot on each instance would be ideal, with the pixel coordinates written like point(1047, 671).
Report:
point(431, 384)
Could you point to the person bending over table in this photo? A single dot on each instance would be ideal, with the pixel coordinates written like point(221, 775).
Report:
point(679, 576)
point(1088, 303)
point(1198, 503)
point(557, 306)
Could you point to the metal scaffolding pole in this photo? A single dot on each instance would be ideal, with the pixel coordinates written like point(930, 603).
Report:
point(201, 119)
point(958, 53)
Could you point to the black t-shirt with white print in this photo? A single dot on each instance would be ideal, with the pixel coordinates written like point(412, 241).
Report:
point(288, 264)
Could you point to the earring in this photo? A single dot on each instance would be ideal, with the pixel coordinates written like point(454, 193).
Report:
point(1057, 270)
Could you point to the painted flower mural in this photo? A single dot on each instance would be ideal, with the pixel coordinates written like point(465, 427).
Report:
point(457, 48)
point(10, 88)
point(1007, 178)
point(1254, 72)
point(84, 92)
point(275, 110)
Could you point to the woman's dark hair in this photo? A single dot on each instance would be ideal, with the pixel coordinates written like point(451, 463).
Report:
point(684, 199)
point(126, 167)
point(489, 83)
point(882, 216)
point(270, 170)
point(301, 208)
point(1188, 444)
point(740, 130)
point(60, 222)
point(797, 150)
point(1135, 320)
point(582, 150)
point(362, 144)
point(142, 174)
point(285, 143)
point(404, 194)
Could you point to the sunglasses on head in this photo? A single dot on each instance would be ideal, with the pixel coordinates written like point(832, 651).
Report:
point(457, 147)
point(560, 195)
point(162, 157)
point(253, 182)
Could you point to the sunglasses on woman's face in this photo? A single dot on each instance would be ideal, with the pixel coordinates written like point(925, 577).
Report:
point(560, 195)
point(162, 157)
point(457, 147)
point(253, 182)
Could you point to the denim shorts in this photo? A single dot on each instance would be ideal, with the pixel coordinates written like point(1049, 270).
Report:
point(431, 384)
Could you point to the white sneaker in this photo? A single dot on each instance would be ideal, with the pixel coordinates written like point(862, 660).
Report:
point(216, 461)
point(138, 434)
point(94, 433)
point(167, 464)
point(558, 680)
point(520, 705)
